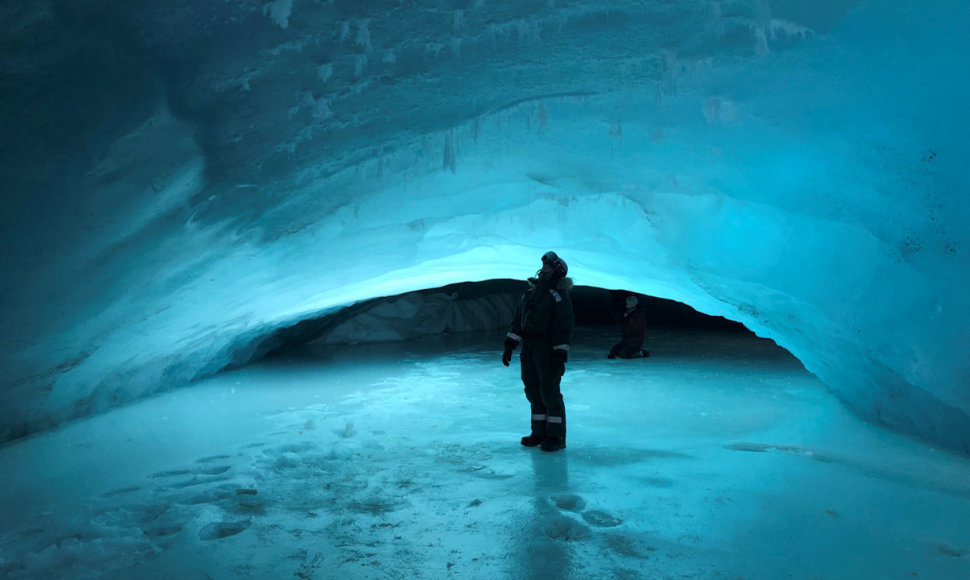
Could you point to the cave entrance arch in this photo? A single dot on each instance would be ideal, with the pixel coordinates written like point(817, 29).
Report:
point(486, 307)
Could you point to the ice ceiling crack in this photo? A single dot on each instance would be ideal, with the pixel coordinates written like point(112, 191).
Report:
point(179, 183)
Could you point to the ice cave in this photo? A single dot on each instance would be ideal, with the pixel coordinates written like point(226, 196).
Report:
point(259, 258)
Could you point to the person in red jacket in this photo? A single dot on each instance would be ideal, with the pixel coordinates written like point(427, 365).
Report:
point(634, 324)
point(543, 323)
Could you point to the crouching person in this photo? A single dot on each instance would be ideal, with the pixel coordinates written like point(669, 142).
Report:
point(634, 324)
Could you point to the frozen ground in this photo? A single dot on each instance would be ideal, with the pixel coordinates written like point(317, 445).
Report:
point(718, 457)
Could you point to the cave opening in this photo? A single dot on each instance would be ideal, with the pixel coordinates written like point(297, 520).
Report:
point(485, 307)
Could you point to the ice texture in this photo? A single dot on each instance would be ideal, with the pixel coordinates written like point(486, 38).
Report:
point(718, 457)
point(181, 182)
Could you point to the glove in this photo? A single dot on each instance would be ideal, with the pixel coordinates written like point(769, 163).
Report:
point(510, 345)
point(559, 357)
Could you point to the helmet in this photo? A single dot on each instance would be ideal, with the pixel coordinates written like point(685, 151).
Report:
point(559, 268)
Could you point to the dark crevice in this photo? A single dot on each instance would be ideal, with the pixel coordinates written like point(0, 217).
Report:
point(592, 306)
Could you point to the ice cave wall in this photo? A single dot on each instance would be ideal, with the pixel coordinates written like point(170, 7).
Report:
point(182, 180)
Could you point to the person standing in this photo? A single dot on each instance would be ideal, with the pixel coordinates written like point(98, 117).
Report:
point(543, 324)
point(634, 324)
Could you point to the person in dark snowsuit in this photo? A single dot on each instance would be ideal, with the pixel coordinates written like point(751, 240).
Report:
point(634, 324)
point(543, 324)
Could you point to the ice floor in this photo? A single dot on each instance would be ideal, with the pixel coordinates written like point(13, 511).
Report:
point(718, 457)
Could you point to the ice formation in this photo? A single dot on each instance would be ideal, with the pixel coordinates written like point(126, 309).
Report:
point(180, 182)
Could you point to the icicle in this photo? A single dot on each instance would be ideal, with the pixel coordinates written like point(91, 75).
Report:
point(449, 161)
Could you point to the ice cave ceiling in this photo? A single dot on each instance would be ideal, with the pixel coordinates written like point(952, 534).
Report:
point(183, 178)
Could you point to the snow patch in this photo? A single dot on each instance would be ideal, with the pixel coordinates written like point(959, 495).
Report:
point(279, 12)
point(325, 71)
point(363, 35)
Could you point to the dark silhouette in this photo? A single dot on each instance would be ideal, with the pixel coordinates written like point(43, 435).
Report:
point(543, 323)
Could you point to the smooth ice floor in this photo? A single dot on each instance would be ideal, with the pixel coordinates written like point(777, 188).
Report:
point(718, 457)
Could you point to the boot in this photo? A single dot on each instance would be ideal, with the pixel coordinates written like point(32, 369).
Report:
point(555, 433)
point(553, 444)
point(538, 434)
